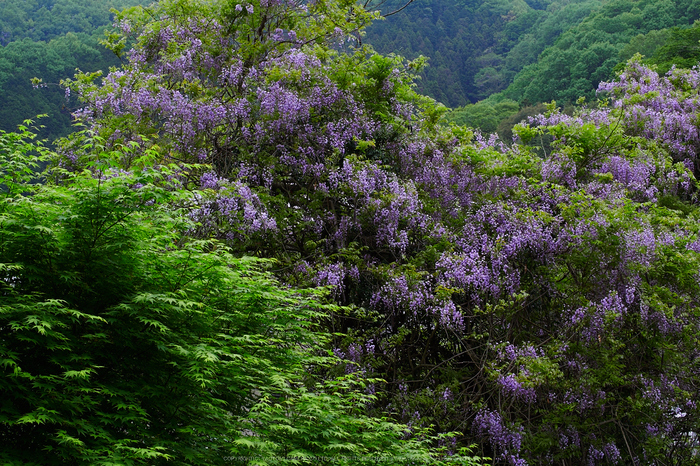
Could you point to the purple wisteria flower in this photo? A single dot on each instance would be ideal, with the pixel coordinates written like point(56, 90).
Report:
point(549, 291)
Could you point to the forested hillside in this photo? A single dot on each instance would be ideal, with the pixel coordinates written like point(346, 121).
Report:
point(475, 47)
point(521, 54)
point(49, 39)
point(43, 20)
point(587, 53)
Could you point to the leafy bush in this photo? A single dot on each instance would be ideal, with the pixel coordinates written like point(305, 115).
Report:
point(542, 301)
point(124, 341)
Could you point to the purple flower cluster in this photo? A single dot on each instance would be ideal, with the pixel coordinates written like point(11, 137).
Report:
point(197, 95)
point(234, 210)
point(659, 108)
point(506, 440)
point(332, 275)
point(401, 296)
point(635, 176)
point(569, 438)
point(449, 316)
point(648, 106)
point(511, 387)
point(597, 319)
point(512, 352)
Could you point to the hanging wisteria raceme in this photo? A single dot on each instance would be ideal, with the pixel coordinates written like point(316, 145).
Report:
point(542, 302)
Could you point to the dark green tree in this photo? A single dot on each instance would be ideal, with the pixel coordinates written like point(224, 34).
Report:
point(587, 53)
point(43, 20)
point(681, 49)
point(48, 40)
point(24, 60)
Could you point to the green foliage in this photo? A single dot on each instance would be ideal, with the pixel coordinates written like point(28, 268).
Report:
point(120, 341)
point(485, 115)
point(43, 20)
point(49, 62)
point(123, 342)
point(681, 48)
point(475, 48)
point(587, 53)
point(49, 40)
point(643, 44)
point(21, 159)
point(327, 426)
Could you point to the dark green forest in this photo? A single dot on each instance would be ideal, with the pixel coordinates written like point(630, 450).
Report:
point(527, 53)
point(475, 48)
point(586, 54)
point(49, 40)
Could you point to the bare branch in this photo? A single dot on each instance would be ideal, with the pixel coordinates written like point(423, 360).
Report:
point(399, 10)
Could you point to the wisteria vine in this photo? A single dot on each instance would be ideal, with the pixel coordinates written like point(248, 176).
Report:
point(544, 303)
